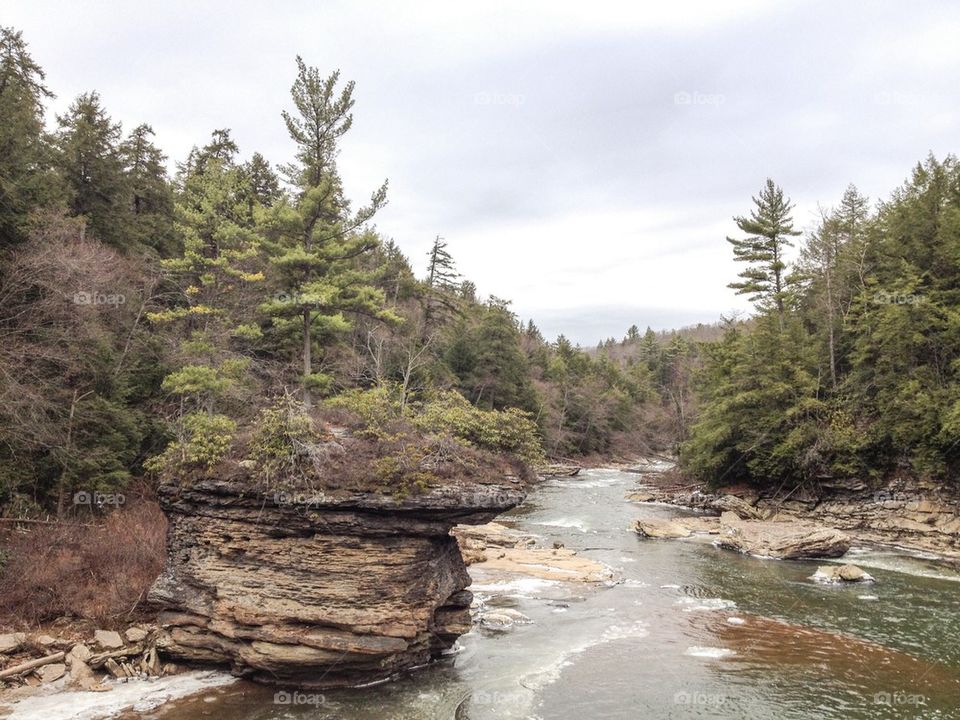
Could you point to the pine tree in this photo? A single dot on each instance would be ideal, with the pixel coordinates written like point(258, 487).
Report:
point(151, 194)
point(442, 286)
point(261, 185)
point(317, 241)
point(221, 276)
point(26, 183)
point(441, 271)
point(770, 227)
point(90, 161)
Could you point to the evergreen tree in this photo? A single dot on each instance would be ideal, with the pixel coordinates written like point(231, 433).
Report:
point(220, 274)
point(25, 181)
point(260, 184)
point(90, 161)
point(441, 271)
point(770, 227)
point(441, 290)
point(317, 241)
point(151, 195)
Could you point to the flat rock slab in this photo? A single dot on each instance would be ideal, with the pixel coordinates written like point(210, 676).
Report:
point(739, 506)
point(660, 528)
point(546, 564)
point(781, 540)
point(108, 639)
point(135, 634)
point(52, 672)
point(11, 642)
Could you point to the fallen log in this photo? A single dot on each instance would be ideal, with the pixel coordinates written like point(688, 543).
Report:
point(99, 659)
point(31, 665)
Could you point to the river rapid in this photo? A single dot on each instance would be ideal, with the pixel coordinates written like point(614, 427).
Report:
point(687, 631)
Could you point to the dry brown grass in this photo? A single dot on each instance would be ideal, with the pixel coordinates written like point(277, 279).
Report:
point(97, 570)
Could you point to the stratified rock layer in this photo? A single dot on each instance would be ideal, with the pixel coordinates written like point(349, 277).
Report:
point(312, 589)
point(784, 540)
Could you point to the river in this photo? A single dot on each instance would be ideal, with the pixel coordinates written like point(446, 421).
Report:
point(690, 631)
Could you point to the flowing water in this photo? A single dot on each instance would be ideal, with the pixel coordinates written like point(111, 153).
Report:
point(691, 631)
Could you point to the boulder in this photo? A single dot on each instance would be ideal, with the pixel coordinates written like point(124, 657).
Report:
point(503, 618)
point(47, 641)
point(737, 505)
point(52, 672)
point(11, 642)
point(108, 639)
point(841, 574)
point(641, 496)
point(80, 653)
point(81, 676)
point(782, 540)
point(135, 634)
point(661, 528)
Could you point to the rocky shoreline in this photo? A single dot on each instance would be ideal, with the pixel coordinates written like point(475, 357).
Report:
point(907, 514)
point(243, 591)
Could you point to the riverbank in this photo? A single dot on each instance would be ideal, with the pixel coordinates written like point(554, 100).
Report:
point(666, 628)
point(901, 513)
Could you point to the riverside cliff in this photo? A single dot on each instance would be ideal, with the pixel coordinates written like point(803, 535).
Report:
point(317, 589)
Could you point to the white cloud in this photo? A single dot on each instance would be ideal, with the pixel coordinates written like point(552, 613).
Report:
point(574, 179)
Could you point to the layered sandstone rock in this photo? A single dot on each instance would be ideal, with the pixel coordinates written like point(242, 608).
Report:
point(782, 540)
point(496, 552)
point(915, 514)
point(312, 589)
point(661, 528)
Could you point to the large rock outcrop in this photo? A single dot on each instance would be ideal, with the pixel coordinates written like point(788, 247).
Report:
point(313, 589)
point(784, 540)
point(919, 514)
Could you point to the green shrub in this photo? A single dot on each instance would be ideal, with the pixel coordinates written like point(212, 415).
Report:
point(284, 439)
point(507, 431)
point(375, 408)
point(204, 440)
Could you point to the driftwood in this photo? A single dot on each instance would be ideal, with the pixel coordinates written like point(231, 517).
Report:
point(99, 659)
point(31, 665)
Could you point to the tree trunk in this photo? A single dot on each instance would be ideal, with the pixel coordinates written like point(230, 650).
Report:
point(307, 362)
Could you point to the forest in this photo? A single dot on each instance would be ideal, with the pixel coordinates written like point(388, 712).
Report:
point(848, 370)
point(154, 323)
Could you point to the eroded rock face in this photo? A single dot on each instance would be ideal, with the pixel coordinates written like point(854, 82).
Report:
point(922, 515)
point(317, 590)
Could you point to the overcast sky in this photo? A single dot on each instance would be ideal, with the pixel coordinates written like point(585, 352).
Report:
point(582, 159)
